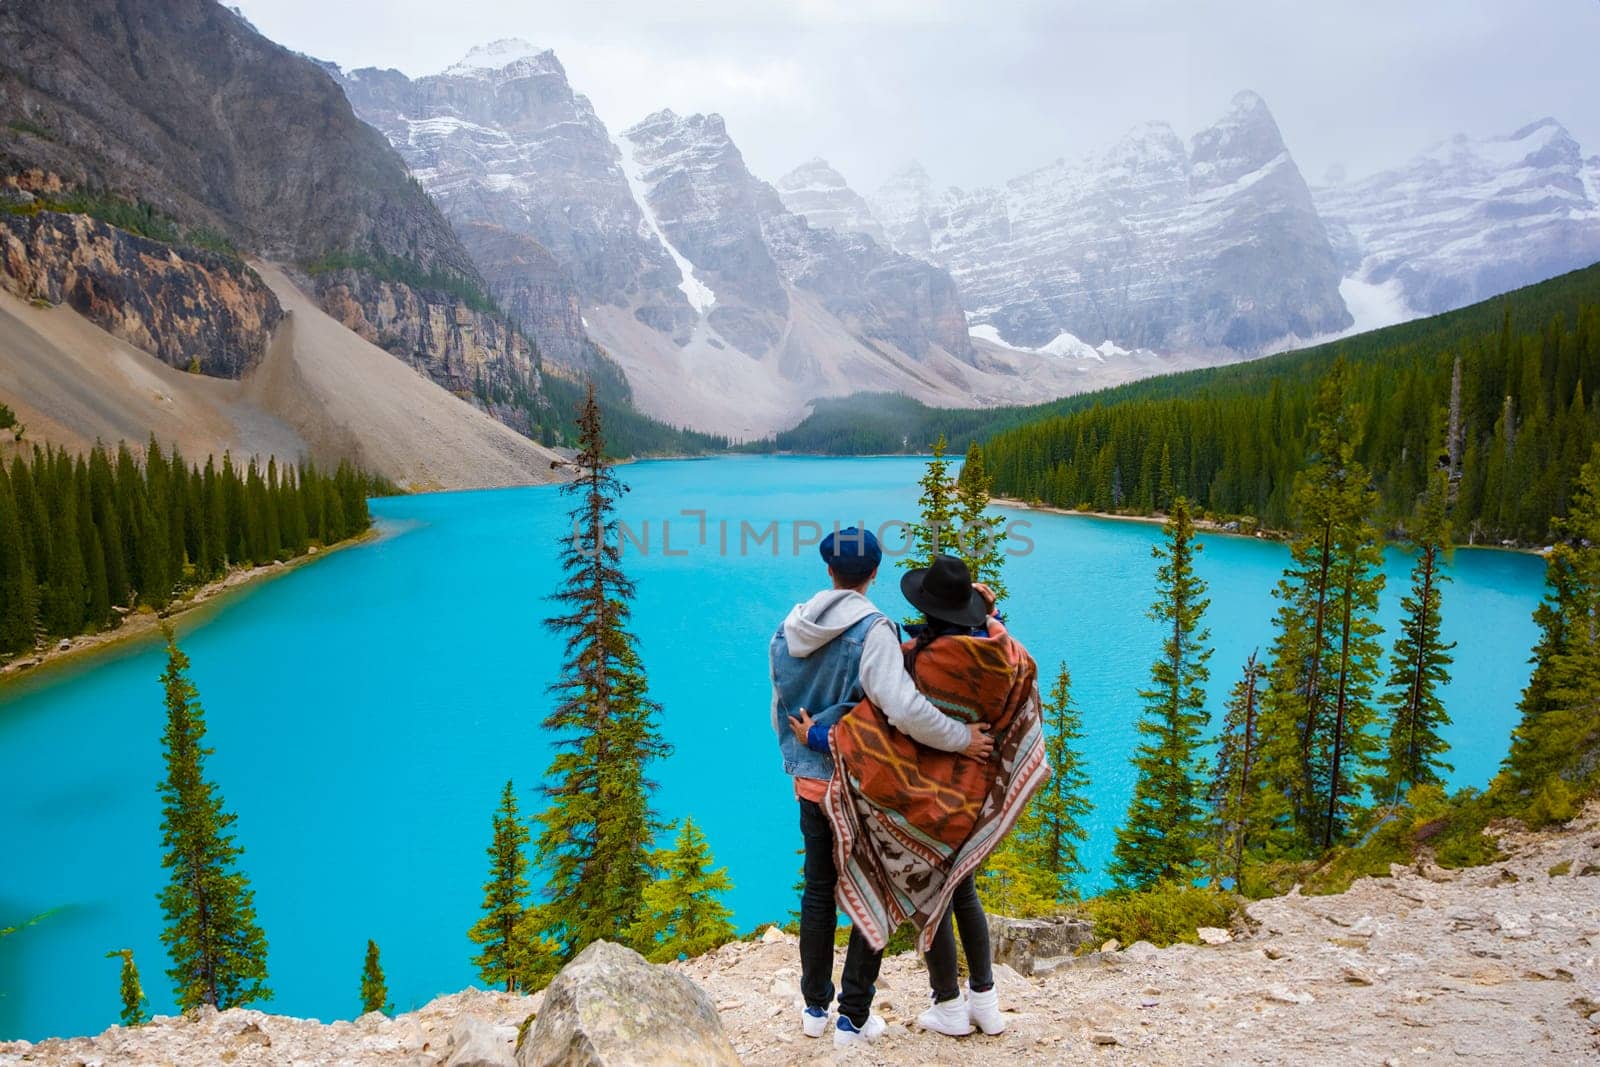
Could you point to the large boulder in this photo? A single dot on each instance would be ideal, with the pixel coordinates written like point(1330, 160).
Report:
point(609, 1008)
point(1022, 943)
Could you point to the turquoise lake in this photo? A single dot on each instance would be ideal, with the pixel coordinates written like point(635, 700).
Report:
point(367, 709)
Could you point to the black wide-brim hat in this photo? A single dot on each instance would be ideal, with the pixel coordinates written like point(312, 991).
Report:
point(944, 591)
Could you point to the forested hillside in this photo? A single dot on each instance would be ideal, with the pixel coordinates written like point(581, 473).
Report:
point(83, 539)
point(1522, 370)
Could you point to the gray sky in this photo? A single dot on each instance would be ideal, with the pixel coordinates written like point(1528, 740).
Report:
point(982, 90)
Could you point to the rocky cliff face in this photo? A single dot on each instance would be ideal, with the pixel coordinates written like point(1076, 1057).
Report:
point(747, 245)
point(193, 310)
point(1146, 244)
point(502, 141)
point(1468, 219)
point(819, 194)
point(181, 105)
point(709, 207)
point(661, 246)
point(473, 354)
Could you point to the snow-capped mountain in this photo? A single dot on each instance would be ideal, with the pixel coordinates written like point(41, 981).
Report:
point(1468, 219)
point(819, 194)
point(1146, 244)
point(727, 310)
point(510, 151)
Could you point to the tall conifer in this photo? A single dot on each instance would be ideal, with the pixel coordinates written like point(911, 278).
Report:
point(1555, 740)
point(505, 898)
point(980, 537)
point(1421, 660)
point(1243, 813)
point(1162, 836)
point(596, 832)
point(934, 532)
point(1317, 713)
point(1036, 867)
point(18, 598)
point(219, 954)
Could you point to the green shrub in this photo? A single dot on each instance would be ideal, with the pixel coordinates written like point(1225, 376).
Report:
point(1564, 867)
point(1556, 802)
point(8, 418)
point(1164, 914)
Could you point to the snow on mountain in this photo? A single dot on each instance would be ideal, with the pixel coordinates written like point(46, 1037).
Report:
point(514, 147)
point(698, 292)
point(1147, 243)
point(820, 195)
point(1468, 219)
point(485, 59)
point(1063, 345)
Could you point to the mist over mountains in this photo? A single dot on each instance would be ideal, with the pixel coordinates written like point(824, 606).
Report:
point(1155, 252)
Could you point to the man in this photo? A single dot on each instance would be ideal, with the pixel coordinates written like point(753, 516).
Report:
point(830, 652)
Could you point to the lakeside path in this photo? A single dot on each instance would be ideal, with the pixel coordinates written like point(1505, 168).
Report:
point(143, 624)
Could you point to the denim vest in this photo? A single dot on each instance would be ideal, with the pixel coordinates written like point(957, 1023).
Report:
point(826, 683)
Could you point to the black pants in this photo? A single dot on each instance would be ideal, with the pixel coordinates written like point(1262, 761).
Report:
point(942, 972)
point(819, 918)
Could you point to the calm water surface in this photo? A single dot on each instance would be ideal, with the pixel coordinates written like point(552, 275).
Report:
point(366, 711)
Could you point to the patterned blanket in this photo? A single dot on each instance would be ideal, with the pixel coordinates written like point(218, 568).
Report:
point(911, 822)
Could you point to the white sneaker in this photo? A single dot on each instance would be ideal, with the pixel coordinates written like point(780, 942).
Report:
point(847, 1033)
point(949, 1017)
point(984, 1010)
point(814, 1021)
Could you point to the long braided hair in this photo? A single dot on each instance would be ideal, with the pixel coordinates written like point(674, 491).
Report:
point(932, 630)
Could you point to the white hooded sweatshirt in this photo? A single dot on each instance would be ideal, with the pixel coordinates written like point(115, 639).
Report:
point(884, 680)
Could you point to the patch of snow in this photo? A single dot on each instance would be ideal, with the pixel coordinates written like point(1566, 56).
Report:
point(492, 56)
point(1375, 306)
point(701, 298)
point(1063, 345)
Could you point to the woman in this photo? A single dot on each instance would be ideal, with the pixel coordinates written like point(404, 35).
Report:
point(911, 824)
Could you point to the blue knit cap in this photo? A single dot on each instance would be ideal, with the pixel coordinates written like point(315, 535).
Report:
point(852, 553)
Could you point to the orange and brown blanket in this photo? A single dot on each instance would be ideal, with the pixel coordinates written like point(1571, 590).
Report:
point(911, 822)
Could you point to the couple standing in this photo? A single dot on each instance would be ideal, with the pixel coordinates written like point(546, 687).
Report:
point(910, 762)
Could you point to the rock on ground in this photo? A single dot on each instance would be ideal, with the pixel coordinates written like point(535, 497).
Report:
point(1488, 965)
point(609, 1008)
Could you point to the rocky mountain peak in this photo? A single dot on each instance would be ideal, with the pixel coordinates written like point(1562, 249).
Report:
point(1470, 218)
point(818, 193)
point(497, 55)
point(1245, 140)
point(901, 205)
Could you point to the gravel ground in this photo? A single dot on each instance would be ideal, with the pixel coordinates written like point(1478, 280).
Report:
point(1496, 964)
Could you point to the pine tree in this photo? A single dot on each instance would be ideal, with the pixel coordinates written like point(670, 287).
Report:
point(374, 990)
point(1163, 833)
point(1555, 741)
point(219, 954)
point(934, 532)
point(980, 537)
point(1243, 814)
point(1317, 712)
point(595, 834)
point(130, 990)
point(505, 897)
point(1035, 868)
point(1421, 660)
point(683, 914)
point(18, 598)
